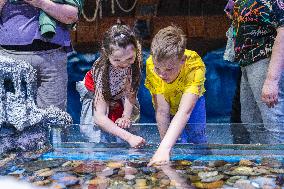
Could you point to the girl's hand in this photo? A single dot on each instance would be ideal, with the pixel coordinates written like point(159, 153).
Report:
point(123, 122)
point(136, 141)
point(161, 157)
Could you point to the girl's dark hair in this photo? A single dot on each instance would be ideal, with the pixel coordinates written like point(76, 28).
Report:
point(118, 35)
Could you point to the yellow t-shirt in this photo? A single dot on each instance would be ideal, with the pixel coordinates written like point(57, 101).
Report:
point(190, 80)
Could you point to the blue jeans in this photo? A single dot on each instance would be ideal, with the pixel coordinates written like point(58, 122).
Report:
point(194, 131)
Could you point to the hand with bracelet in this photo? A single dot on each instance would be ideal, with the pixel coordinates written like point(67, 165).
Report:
point(129, 101)
point(124, 122)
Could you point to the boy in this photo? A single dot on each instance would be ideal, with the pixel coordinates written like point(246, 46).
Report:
point(175, 78)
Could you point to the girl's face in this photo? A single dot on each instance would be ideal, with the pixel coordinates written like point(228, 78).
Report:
point(169, 69)
point(122, 57)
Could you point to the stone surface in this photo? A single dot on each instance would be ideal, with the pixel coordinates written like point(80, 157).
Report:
point(88, 174)
point(19, 110)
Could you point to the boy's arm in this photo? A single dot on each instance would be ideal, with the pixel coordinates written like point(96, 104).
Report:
point(162, 108)
point(187, 103)
point(101, 119)
point(64, 13)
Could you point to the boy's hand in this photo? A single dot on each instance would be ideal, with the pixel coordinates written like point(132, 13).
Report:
point(136, 141)
point(123, 122)
point(161, 157)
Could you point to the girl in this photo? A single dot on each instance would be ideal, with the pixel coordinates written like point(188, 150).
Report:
point(114, 81)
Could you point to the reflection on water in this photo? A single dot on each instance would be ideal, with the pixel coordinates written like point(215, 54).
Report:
point(75, 161)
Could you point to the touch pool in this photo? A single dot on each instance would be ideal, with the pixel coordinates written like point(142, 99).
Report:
point(75, 161)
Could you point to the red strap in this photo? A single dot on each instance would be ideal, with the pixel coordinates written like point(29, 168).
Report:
point(116, 112)
point(89, 82)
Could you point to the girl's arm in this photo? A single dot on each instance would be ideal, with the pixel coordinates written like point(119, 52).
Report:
point(125, 120)
point(129, 102)
point(187, 103)
point(102, 120)
point(162, 108)
point(66, 14)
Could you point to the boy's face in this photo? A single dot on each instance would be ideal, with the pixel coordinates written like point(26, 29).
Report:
point(168, 69)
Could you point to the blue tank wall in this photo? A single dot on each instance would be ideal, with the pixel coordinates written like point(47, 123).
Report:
point(220, 85)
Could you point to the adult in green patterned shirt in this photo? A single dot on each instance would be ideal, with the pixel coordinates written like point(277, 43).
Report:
point(259, 49)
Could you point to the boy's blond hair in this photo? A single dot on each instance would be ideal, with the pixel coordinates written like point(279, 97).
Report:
point(169, 42)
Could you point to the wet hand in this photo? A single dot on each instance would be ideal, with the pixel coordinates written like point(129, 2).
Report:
point(270, 92)
point(123, 122)
point(136, 141)
point(161, 157)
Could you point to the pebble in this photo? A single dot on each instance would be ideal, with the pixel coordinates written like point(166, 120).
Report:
point(106, 172)
point(212, 185)
point(213, 178)
point(204, 175)
point(247, 163)
point(244, 184)
point(88, 168)
point(140, 182)
point(98, 181)
point(42, 183)
point(217, 163)
point(165, 182)
point(148, 170)
point(129, 177)
point(129, 170)
point(114, 165)
point(65, 179)
point(45, 173)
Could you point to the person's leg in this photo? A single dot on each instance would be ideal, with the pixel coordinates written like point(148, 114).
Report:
point(272, 117)
point(194, 131)
point(236, 105)
point(86, 99)
point(51, 68)
point(51, 74)
point(52, 78)
point(87, 126)
point(250, 113)
point(239, 132)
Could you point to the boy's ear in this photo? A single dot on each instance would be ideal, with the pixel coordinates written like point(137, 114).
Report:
point(182, 60)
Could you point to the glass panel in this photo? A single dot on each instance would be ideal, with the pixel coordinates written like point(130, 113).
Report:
point(224, 142)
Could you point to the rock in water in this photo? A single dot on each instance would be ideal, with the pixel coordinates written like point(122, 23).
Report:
point(18, 108)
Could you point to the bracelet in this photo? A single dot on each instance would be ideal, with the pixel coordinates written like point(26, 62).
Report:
point(127, 117)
